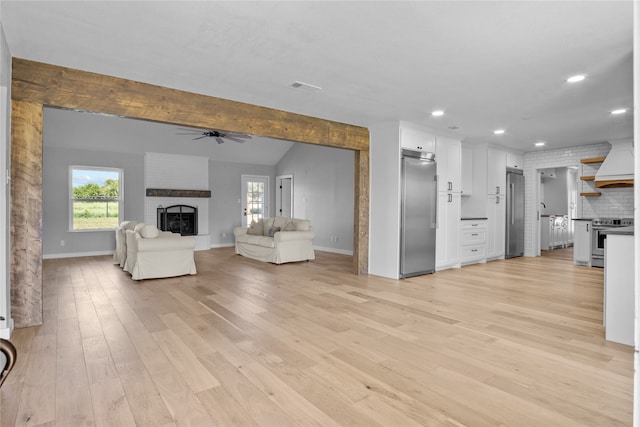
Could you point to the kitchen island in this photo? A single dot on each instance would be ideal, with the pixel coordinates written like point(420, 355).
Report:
point(619, 301)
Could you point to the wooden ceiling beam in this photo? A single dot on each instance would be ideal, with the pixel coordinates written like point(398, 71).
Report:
point(73, 89)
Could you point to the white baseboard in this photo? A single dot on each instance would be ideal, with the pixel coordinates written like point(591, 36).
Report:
point(222, 245)
point(76, 254)
point(333, 250)
point(5, 333)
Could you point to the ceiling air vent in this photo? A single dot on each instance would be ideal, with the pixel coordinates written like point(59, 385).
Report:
point(306, 86)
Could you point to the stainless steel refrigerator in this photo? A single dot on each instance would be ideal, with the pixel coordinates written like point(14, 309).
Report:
point(418, 214)
point(514, 245)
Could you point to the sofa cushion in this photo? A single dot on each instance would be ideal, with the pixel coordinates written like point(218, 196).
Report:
point(264, 241)
point(128, 225)
point(273, 230)
point(149, 231)
point(268, 223)
point(302, 224)
point(256, 228)
point(138, 228)
point(290, 226)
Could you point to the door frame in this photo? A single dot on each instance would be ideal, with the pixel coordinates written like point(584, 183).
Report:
point(278, 185)
point(243, 195)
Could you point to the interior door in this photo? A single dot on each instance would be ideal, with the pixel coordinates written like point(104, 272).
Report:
point(255, 197)
point(284, 195)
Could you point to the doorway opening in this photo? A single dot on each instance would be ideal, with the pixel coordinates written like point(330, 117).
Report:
point(284, 195)
point(255, 197)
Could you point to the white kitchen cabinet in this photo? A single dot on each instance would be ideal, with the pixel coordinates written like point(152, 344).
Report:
point(473, 241)
point(449, 160)
point(467, 171)
point(496, 223)
point(619, 309)
point(496, 171)
point(514, 160)
point(448, 231)
point(582, 242)
point(413, 137)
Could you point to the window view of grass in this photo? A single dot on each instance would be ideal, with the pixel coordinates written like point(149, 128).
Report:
point(95, 206)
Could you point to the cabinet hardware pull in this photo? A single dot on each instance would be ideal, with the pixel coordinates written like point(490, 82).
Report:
point(474, 234)
point(474, 250)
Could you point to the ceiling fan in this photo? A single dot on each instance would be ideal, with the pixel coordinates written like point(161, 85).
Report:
point(219, 136)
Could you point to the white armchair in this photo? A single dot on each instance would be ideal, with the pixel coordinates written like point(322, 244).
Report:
point(166, 255)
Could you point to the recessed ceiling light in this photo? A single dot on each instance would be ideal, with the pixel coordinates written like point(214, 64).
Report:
point(437, 113)
point(498, 131)
point(576, 78)
point(619, 111)
point(540, 144)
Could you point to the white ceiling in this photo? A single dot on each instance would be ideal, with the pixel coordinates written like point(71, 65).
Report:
point(488, 64)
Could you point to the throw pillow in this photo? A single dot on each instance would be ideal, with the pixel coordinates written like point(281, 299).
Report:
point(268, 223)
point(149, 231)
point(303, 225)
point(138, 228)
point(291, 226)
point(256, 228)
point(273, 230)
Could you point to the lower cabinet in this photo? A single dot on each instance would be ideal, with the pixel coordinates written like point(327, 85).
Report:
point(448, 231)
point(582, 242)
point(496, 224)
point(473, 241)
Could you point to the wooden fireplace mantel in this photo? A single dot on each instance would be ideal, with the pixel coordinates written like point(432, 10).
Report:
point(167, 192)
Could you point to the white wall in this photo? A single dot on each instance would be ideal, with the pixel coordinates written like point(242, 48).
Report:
point(323, 192)
point(556, 193)
point(6, 326)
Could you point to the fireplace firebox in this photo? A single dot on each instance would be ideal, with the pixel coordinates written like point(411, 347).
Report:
point(181, 219)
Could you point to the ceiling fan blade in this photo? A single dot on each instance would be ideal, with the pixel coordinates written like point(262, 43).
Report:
point(200, 137)
point(220, 140)
point(231, 138)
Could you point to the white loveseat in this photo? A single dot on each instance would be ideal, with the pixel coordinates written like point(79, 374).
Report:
point(276, 240)
point(151, 253)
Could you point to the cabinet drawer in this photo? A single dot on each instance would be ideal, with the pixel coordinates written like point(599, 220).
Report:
point(473, 236)
point(473, 225)
point(473, 253)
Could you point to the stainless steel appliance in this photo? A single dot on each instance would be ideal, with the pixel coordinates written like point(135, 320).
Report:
point(597, 237)
point(514, 236)
point(418, 214)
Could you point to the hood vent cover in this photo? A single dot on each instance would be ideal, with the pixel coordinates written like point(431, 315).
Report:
point(617, 169)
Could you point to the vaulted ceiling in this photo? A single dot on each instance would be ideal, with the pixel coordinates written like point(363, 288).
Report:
point(487, 64)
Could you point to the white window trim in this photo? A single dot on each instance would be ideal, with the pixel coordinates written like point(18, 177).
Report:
point(120, 195)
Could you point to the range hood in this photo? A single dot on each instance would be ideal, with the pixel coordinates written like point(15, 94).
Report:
point(617, 169)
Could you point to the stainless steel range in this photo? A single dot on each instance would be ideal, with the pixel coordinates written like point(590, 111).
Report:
point(597, 237)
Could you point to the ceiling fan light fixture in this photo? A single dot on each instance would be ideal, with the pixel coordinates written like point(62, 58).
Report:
point(577, 78)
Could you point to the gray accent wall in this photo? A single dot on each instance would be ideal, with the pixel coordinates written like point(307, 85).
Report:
point(323, 192)
point(55, 199)
point(225, 210)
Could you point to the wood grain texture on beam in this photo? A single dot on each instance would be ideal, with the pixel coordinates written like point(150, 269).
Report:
point(26, 213)
point(361, 211)
point(63, 87)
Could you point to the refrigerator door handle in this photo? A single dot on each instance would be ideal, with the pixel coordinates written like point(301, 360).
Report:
point(513, 204)
point(436, 216)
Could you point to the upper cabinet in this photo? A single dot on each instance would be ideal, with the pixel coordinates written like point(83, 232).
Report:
point(514, 160)
point(449, 161)
point(413, 137)
point(467, 171)
point(496, 171)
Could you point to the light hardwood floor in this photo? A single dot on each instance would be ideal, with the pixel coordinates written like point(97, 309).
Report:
point(509, 343)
